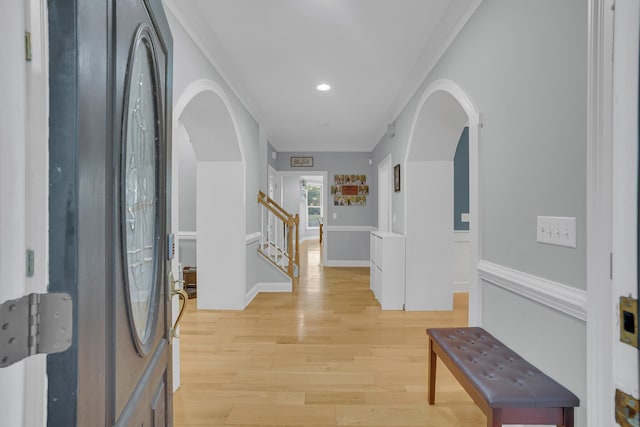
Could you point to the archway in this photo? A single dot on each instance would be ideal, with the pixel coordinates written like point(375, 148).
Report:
point(442, 113)
point(204, 119)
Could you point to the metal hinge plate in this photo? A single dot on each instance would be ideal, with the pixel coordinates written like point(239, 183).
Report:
point(34, 324)
point(27, 45)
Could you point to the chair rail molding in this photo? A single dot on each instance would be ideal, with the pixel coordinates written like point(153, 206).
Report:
point(187, 235)
point(565, 299)
point(253, 237)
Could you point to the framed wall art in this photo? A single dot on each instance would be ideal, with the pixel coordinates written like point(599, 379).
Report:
point(350, 190)
point(301, 162)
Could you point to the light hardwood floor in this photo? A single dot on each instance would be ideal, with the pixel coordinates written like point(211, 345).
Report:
point(324, 355)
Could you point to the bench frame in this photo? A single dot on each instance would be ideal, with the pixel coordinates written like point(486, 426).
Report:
point(496, 417)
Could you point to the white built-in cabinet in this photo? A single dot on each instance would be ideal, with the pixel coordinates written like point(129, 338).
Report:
point(387, 269)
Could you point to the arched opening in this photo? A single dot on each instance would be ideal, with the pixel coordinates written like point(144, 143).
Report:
point(441, 117)
point(215, 205)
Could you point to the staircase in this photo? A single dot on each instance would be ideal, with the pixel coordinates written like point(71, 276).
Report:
point(279, 236)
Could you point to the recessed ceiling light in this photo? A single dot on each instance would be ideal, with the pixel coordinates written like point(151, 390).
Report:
point(323, 87)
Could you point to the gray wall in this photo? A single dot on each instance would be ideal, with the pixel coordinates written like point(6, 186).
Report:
point(525, 70)
point(190, 65)
point(524, 66)
point(348, 246)
point(339, 163)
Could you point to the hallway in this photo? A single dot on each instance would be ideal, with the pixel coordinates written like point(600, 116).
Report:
point(324, 355)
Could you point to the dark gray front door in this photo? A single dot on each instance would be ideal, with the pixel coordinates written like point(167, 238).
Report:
point(109, 210)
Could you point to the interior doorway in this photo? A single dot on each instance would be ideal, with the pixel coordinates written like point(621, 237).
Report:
point(293, 193)
point(204, 111)
point(443, 112)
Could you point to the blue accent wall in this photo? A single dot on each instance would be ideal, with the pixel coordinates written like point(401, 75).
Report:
point(461, 182)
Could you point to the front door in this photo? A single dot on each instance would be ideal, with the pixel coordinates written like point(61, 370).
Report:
point(110, 67)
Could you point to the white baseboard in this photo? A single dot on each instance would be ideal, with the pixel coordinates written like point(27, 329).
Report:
point(343, 263)
point(461, 287)
point(565, 299)
point(267, 287)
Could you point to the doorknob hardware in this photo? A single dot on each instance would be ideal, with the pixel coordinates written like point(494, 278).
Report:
point(35, 324)
point(173, 332)
point(174, 282)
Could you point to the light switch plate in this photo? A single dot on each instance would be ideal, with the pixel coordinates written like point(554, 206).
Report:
point(556, 230)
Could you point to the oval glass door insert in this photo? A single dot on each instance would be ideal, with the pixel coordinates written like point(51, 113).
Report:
point(140, 186)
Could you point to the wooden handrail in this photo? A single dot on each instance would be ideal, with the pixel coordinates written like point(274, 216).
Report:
point(271, 202)
point(289, 251)
point(280, 216)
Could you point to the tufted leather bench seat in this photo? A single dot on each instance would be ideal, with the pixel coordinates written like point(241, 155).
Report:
point(507, 388)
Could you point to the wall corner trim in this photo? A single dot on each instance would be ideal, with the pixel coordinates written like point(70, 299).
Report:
point(253, 237)
point(565, 299)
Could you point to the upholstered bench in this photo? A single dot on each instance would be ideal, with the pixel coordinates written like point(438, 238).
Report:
point(507, 388)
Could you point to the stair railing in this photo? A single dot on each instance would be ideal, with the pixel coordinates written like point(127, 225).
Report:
point(279, 236)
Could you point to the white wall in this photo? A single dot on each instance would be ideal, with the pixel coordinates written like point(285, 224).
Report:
point(429, 245)
point(221, 268)
point(12, 190)
point(186, 180)
point(462, 268)
point(186, 197)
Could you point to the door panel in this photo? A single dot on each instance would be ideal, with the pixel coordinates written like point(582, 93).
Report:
point(109, 139)
point(141, 309)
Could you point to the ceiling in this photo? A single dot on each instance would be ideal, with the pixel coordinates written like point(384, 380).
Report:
point(373, 53)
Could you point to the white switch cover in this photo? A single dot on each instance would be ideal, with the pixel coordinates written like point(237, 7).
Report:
point(394, 219)
point(334, 215)
point(556, 230)
point(464, 217)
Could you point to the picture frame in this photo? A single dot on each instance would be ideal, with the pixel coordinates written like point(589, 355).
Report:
point(301, 162)
point(396, 178)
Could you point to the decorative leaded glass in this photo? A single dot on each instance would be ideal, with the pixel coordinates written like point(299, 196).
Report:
point(140, 173)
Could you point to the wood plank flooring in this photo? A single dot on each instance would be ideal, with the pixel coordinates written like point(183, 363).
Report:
point(324, 355)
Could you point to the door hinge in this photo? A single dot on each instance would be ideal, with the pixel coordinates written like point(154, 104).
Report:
point(30, 262)
point(35, 324)
point(611, 265)
point(27, 45)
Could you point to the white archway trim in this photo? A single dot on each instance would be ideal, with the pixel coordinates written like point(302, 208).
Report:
point(452, 88)
point(198, 87)
point(473, 114)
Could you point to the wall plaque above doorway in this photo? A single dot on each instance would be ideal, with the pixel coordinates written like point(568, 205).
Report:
point(301, 162)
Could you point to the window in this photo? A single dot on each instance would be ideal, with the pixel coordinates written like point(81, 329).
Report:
point(314, 205)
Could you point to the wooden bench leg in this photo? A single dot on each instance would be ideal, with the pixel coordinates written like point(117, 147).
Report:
point(494, 418)
point(568, 417)
point(433, 359)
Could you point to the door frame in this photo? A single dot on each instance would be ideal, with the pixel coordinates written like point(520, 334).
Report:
point(37, 185)
point(600, 312)
point(24, 192)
